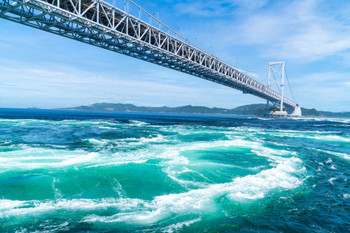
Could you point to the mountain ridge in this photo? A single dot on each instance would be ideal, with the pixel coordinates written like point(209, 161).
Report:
point(251, 109)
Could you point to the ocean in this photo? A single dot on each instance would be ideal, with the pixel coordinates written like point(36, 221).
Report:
point(76, 171)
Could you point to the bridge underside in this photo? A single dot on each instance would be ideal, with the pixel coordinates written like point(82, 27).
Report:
point(100, 24)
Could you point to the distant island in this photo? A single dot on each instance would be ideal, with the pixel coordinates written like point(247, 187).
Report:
point(252, 109)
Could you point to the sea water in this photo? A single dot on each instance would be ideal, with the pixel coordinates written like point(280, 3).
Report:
point(75, 171)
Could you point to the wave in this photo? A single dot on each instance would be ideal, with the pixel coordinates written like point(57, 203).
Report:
point(178, 153)
point(338, 154)
point(315, 135)
point(326, 119)
point(178, 226)
point(138, 122)
point(171, 153)
point(287, 175)
point(33, 158)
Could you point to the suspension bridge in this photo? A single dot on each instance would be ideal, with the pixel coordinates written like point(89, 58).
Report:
point(104, 25)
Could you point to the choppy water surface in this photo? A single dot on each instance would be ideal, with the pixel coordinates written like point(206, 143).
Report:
point(89, 171)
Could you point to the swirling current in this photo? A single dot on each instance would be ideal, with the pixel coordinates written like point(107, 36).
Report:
point(75, 171)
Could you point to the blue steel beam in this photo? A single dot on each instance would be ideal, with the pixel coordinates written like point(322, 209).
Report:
point(100, 24)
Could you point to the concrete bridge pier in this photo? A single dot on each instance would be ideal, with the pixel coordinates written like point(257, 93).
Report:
point(294, 112)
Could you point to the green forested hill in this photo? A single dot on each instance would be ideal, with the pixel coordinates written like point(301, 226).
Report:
point(252, 109)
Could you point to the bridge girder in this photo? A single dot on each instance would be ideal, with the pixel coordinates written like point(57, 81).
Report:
point(101, 24)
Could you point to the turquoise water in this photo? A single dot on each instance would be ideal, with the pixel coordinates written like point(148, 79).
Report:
point(68, 171)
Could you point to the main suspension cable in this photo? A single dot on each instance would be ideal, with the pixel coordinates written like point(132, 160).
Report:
point(290, 89)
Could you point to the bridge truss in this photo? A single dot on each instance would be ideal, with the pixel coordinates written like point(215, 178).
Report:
point(98, 23)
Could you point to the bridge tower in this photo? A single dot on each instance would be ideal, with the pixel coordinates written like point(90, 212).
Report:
point(276, 77)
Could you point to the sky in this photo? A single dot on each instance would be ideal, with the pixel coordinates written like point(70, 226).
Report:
point(39, 69)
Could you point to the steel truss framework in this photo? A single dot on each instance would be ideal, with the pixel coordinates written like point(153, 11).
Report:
point(98, 23)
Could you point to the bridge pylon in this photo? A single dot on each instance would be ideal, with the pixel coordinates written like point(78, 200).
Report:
point(276, 77)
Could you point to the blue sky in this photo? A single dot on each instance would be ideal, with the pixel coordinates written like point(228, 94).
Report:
point(39, 69)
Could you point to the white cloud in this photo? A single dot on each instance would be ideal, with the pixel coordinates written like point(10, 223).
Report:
point(299, 30)
point(65, 86)
point(324, 91)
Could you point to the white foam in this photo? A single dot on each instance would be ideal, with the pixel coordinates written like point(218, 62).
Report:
point(35, 207)
point(346, 196)
point(117, 163)
point(158, 138)
point(340, 120)
point(331, 180)
point(58, 193)
point(9, 204)
point(332, 138)
point(317, 135)
point(138, 123)
point(99, 142)
point(338, 154)
point(127, 142)
point(173, 172)
point(34, 158)
point(237, 143)
point(337, 120)
point(105, 127)
point(178, 226)
point(31, 158)
point(286, 175)
point(118, 188)
point(280, 177)
point(265, 118)
point(175, 163)
point(329, 161)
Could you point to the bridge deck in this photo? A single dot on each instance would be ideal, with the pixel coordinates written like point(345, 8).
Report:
point(101, 24)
